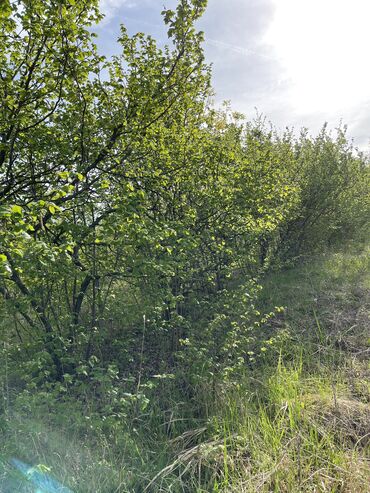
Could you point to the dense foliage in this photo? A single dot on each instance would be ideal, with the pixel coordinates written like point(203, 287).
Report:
point(136, 218)
point(124, 194)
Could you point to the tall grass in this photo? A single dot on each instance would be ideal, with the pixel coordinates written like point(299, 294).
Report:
point(297, 421)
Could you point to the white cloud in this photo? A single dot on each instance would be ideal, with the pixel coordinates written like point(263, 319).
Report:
point(323, 48)
point(233, 48)
point(110, 7)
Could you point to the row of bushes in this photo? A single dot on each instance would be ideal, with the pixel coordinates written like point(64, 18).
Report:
point(136, 219)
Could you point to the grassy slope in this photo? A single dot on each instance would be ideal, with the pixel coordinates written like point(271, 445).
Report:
point(309, 428)
point(299, 422)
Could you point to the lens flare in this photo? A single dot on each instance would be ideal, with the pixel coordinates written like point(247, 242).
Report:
point(41, 480)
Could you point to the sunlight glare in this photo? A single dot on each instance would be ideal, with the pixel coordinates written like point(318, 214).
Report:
point(323, 46)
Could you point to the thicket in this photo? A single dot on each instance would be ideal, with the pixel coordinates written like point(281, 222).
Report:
point(136, 219)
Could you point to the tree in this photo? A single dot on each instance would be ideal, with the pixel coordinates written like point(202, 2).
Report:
point(73, 146)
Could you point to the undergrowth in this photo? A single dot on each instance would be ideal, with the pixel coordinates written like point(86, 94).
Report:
point(298, 420)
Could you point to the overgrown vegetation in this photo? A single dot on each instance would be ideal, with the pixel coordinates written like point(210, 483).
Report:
point(174, 315)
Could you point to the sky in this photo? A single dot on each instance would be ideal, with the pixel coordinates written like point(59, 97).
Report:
point(299, 63)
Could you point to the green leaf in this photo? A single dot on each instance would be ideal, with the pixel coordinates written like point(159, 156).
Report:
point(63, 174)
point(16, 209)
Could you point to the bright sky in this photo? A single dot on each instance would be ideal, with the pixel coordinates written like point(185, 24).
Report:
point(299, 62)
point(323, 46)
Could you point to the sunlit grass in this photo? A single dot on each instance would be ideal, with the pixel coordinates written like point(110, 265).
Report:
point(296, 421)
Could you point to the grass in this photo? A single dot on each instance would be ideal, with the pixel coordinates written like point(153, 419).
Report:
point(299, 421)
point(306, 421)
